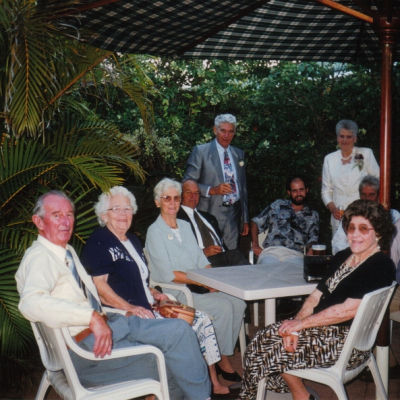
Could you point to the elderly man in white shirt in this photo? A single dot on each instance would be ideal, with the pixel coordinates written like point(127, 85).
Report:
point(369, 190)
point(49, 280)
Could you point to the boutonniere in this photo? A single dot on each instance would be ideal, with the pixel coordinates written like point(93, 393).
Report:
point(241, 162)
point(358, 161)
point(170, 237)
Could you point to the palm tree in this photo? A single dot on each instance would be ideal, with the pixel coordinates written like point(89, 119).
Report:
point(51, 139)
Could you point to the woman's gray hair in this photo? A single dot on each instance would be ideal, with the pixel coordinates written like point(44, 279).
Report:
point(101, 207)
point(38, 209)
point(228, 118)
point(347, 124)
point(165, 185)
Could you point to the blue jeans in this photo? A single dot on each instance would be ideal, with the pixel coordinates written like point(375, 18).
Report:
point(186, 369)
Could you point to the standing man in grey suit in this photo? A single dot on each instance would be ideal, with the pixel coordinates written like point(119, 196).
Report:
point(219, 170)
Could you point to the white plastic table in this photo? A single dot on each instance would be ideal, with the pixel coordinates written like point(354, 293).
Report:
point(256, 282)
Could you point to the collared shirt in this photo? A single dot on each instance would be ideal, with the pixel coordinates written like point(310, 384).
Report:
point(286, 227)
point(49, 292)
point(190, 213)
point(339, 240)
point(221, 153)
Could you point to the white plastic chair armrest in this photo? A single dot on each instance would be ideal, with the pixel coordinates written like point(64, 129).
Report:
point(117, 353)
point(114, 310)
point(176, 286)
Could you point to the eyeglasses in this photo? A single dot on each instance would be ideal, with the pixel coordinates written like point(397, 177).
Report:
point(121, 210)
point(168, 199)
point(363, 229)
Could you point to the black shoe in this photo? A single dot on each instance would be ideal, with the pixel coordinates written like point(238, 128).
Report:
point(229, 376)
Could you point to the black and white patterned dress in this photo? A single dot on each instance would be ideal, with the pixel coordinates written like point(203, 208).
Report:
point(320, 346)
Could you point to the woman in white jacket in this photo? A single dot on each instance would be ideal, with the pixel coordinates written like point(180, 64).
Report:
point(343, 171)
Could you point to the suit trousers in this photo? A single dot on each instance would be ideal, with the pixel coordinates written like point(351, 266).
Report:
point(229, 223)
point(186, 369)
point(228, 258)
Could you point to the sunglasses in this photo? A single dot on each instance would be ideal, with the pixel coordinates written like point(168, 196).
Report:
point(363, 229)
point(168, 199)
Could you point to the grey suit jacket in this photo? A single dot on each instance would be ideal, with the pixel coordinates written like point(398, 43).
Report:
point(204, 167)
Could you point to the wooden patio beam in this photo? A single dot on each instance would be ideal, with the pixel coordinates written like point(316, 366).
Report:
point(346, 10)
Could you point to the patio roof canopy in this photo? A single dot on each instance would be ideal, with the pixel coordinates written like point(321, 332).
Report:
point(236, 29)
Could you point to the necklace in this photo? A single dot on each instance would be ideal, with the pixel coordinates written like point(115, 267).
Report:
point(346, 269)
point(373, 251)
point(347, 159)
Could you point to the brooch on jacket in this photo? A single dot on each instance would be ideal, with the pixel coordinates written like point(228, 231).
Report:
point(241, 163)
point(358, 161)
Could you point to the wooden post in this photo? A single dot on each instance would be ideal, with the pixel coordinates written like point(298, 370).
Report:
point(387, 28)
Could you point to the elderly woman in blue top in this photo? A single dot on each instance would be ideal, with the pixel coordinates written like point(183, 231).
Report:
point(114, 257)
point(173, 250)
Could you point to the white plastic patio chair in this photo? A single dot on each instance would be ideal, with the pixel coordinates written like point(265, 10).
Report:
point(61, 375)
point(361, 336)
point(189, 300)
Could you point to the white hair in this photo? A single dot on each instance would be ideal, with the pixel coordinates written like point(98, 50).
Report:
point(348, 125)
point(228, 118)
point(165, 185)
point(39, 210)
point(101, 207)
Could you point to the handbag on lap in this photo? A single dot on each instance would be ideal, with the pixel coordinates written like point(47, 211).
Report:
point(174, 309)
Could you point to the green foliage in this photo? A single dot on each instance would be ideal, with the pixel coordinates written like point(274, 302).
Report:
point(51, 138)
point(78, 158)
point(286, 114)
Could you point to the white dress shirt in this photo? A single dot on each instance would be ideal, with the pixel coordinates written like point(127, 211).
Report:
point(190, 213)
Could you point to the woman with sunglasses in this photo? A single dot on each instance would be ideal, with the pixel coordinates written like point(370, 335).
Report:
point(173, 250)
point(316, 335)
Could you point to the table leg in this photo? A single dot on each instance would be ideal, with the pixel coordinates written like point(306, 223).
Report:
point(270, 307)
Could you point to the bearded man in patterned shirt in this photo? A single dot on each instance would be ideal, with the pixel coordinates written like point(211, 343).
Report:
point(291, 224)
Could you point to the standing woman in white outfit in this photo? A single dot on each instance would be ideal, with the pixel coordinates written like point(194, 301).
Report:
point(344, 169)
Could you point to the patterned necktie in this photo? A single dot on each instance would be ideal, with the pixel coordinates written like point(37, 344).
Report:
point(92, 300)
point(207, 235)
point(229, 178)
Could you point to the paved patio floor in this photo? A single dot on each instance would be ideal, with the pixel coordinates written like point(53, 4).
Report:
point(357, 390)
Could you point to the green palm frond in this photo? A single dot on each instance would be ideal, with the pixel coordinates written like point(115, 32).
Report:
point(12, 324)
point(136, 84)
point(78, 59)
point(42, 62)
point(44, 75)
